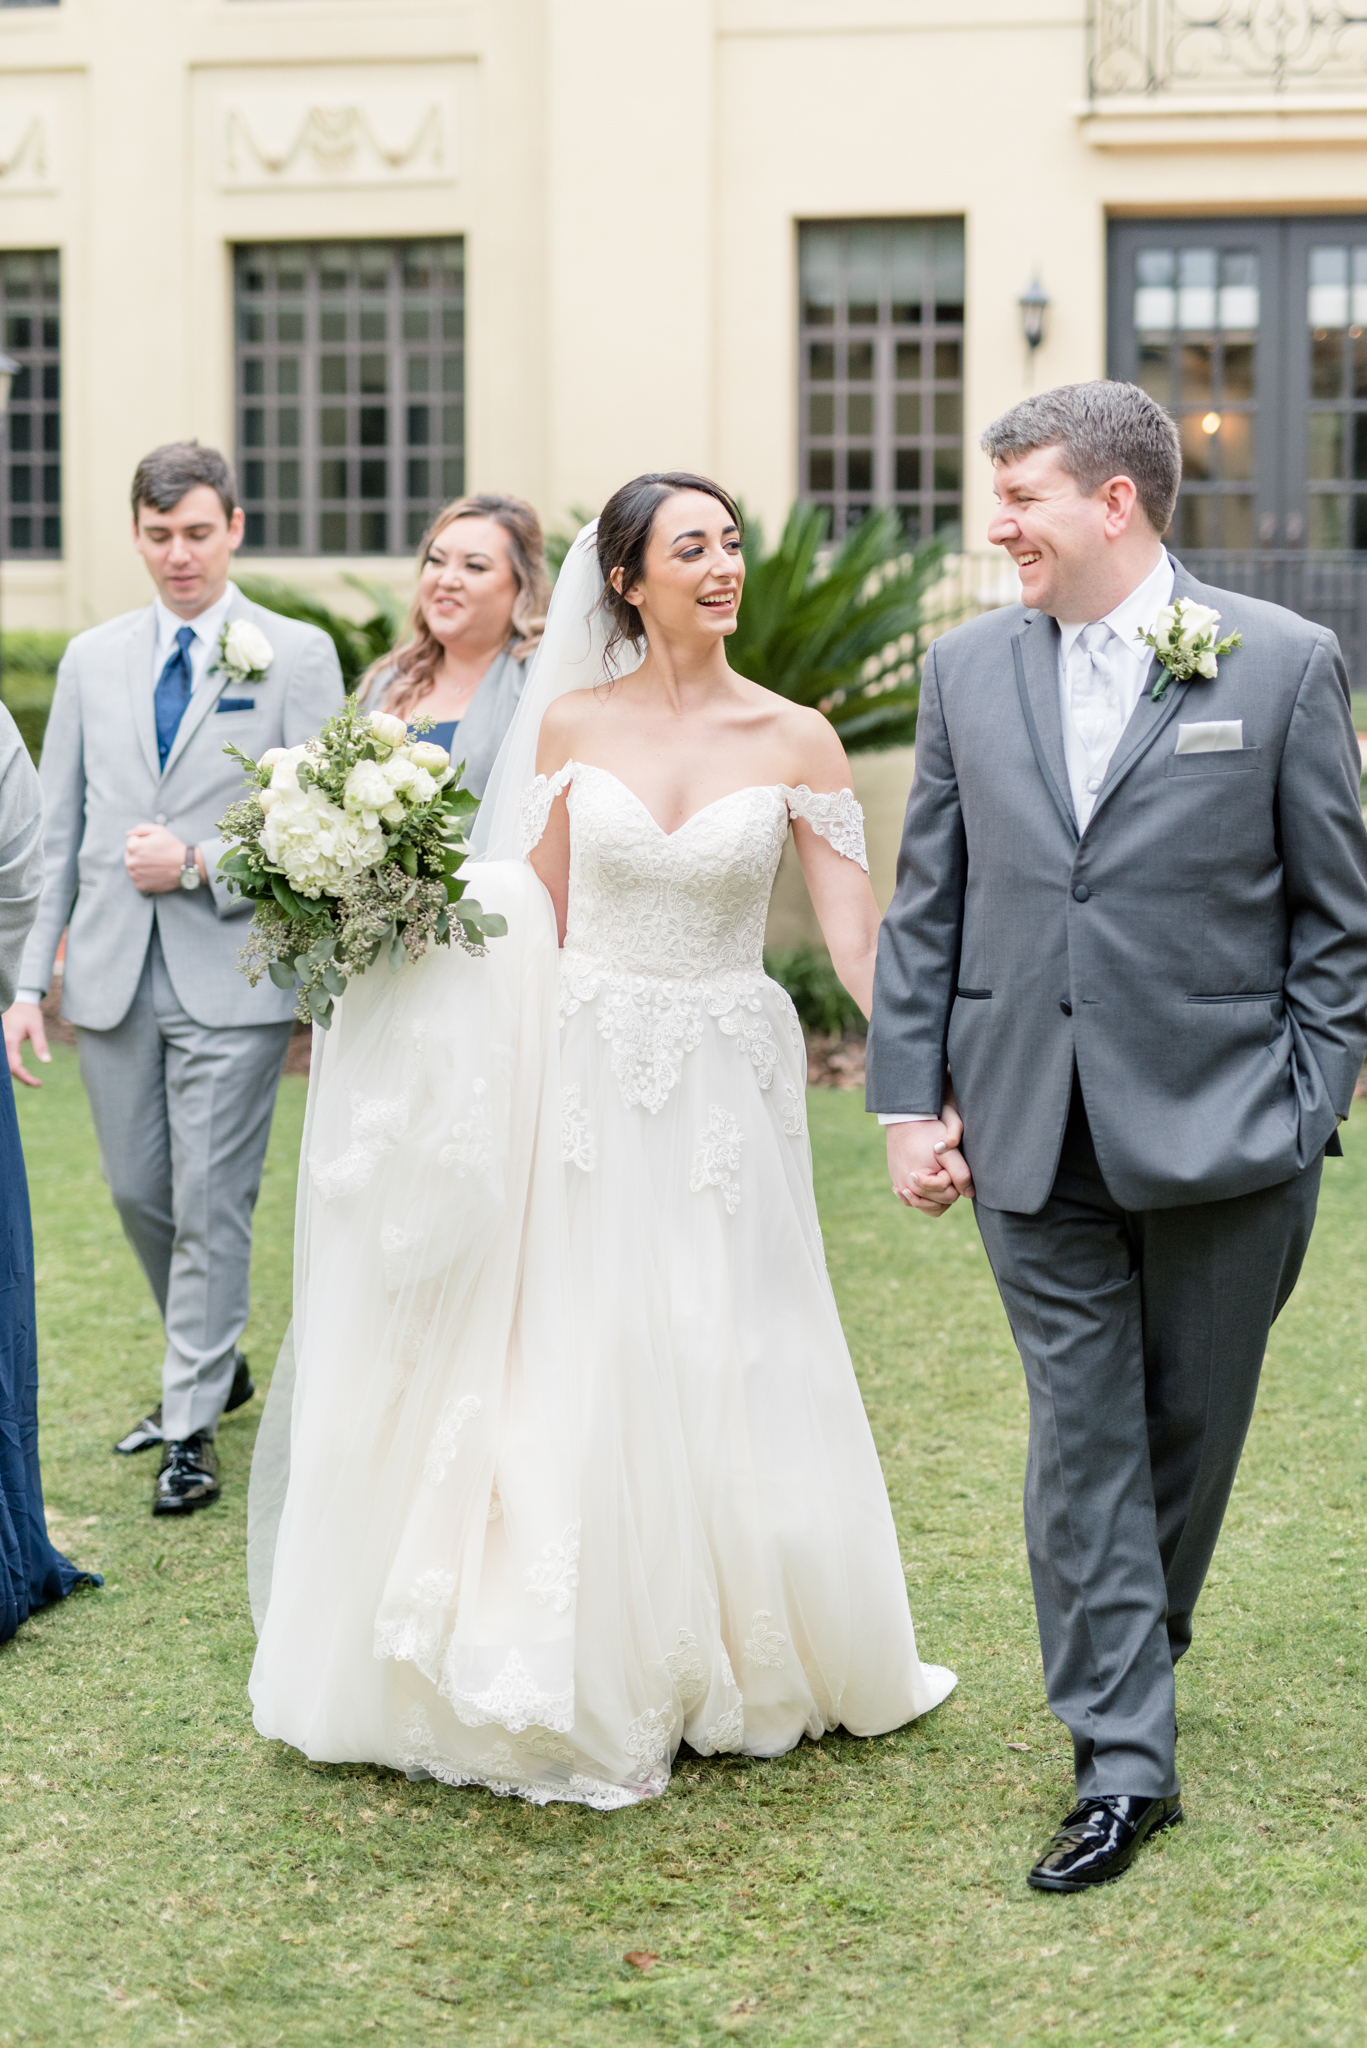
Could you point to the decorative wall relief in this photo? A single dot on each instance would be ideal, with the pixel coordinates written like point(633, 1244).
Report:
point(1226, 46)
point(27, 147)
point(324, 134)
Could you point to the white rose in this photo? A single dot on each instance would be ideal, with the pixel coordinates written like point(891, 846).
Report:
point(284, 766)
point(368, 788)
point(267, 797)
point(1196, 620)
point(390, 731)
point(1206, 664)
point(428, 755)
point(414, 784)
point(271, 756)
point(246, 648)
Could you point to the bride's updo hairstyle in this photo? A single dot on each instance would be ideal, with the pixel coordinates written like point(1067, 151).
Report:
point(624, 529)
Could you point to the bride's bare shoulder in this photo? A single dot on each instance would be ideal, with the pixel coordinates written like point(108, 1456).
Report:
point(562, 725)
point(809, 744)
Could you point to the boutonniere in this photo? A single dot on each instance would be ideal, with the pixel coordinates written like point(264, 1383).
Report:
point(244, 652)
point(1183, 638)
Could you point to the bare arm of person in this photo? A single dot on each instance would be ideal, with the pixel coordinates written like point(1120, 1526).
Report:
point(931, 1173)
point(550, 857)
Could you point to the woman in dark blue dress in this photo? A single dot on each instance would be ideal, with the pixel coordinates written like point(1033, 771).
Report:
point(31, 1572)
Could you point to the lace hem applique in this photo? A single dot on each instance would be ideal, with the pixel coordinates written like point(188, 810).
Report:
point(764, 1646)
point(794, 1111)
point(497, 1771)
point(377, 1124)
point(684, 1666)
point(445, 1437)
point(578, 1146)
point(553, 1578)
point(471, 1149)
point(836, 815)
point(652, 1024)
point(534, 812)
point(716, 1162)
point(647, 1738)
point(514, 1701)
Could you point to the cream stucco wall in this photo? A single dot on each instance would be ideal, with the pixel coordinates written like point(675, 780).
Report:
point(628, 177)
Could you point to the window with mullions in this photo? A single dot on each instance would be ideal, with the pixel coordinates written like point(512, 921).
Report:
point(350, 393)
point(1336, 453)
point(1197, 321)
point(31, 473)
point(881, 373)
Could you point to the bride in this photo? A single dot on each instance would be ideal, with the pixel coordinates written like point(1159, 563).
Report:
point(573, 1464)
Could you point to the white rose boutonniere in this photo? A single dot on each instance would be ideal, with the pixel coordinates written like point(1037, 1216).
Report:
point(244, 652)
point(1183, 638)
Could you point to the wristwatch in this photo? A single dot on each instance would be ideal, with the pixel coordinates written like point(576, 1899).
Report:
point(189, 874)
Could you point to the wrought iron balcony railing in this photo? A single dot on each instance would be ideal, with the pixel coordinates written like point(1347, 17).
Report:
point(1187, 48)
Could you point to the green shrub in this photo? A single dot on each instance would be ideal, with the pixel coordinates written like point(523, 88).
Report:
point(357, 643)
point(819, 997)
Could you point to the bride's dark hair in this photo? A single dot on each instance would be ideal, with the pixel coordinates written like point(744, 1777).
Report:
point(624, 528)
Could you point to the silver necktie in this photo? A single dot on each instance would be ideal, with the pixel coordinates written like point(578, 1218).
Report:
point(1094, 699)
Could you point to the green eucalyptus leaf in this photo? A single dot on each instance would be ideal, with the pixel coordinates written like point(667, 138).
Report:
point(281, 973)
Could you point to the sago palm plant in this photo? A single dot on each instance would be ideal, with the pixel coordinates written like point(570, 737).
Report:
point(844, 629)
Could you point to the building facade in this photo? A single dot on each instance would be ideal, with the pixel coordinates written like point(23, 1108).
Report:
point(383, 250)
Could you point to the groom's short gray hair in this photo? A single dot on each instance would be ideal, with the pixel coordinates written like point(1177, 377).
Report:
point(1101, 430)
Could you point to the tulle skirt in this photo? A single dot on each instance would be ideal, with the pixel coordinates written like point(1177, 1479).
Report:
point(573, 1463)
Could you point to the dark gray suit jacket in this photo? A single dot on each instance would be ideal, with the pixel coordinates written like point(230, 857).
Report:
point(1199, 952)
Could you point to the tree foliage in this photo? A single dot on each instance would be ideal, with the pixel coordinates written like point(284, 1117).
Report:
point(844, 629)
point(358, 643)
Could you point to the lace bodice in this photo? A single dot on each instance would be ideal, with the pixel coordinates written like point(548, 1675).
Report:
point(688, 905)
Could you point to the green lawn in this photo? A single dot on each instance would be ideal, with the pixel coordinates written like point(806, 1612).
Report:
point(166, 1876)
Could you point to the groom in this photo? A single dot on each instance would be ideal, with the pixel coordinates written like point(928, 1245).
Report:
point(1131, 919)
point(179, 1056)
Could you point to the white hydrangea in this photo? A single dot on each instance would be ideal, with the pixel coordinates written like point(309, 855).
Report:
point(316, 843)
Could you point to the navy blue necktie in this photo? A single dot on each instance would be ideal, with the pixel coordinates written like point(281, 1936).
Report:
point(173, 691)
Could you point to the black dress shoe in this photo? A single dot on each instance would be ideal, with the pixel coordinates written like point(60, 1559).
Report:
point(144, 1434)
point(188, 1478)
point(1100, 1839)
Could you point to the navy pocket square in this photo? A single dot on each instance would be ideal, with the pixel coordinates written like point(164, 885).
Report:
point(235, 704)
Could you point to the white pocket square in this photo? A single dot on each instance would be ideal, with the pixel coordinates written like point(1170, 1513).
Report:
point(1218, 736)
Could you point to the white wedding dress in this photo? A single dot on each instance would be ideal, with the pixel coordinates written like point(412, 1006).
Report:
point(577, 1462)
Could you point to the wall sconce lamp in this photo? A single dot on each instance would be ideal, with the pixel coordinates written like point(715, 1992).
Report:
point(1034, 304)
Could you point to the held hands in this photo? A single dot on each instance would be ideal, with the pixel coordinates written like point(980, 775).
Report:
point(154, 858)
point(25, 1021)
point(927, 1169)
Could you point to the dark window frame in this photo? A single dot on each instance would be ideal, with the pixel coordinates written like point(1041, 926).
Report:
point(881, 372)
point(348, 437)
point(31, 470)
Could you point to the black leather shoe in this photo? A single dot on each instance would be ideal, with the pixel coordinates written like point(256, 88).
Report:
point(144, 1434)
point(1100, 1839)
point(188, 1478)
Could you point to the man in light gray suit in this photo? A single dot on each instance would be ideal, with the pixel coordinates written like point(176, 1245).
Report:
point(179, 1055)
point(1131, 919)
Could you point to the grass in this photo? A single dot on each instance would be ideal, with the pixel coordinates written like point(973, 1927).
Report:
point(167, 1876)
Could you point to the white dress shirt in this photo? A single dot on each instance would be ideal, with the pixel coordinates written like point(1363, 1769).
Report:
point(208, 625)
point(1129, 662)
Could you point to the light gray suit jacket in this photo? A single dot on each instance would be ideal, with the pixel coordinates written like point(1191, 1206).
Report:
point(1200, 951)
point(21, 853)
point(100, 775)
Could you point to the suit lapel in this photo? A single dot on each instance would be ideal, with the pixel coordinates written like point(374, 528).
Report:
point(207, 691)
point(1035, 648)
point(1147, 719)
point(141, 686)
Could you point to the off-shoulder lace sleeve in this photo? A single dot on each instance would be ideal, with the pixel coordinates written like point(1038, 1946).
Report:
point(535, 810)
point(836, 814)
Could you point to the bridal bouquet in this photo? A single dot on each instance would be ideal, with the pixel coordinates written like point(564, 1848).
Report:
point(350, 846)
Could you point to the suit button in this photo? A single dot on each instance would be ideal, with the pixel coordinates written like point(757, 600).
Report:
point(1081, 893)
point(1066, 1008)
point(161, 817)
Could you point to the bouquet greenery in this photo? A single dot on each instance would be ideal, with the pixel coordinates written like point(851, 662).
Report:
point(350, 846)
